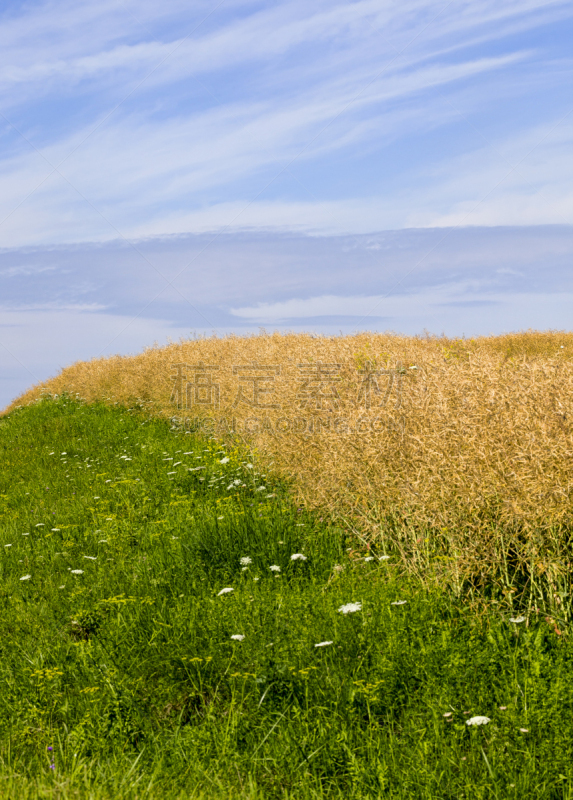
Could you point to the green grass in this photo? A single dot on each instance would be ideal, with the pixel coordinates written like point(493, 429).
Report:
point(128, 671)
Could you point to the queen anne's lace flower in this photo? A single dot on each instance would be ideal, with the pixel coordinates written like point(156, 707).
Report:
point(274, 568)
point(225, 591)
point(399, 603)
point(478, 721)
point(297, 557)
point(245, 561)
point(322, 644)
point(517, 619)
point(25, 577)
point(350, 608)
point(77, 571)
point(238, 637)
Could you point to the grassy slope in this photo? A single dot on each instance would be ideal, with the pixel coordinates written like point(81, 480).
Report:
point(128, 670)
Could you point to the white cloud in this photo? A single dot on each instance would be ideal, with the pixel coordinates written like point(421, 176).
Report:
point(289, 83)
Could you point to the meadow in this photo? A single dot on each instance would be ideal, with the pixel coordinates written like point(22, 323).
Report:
point(454, 454)
point(177, 623)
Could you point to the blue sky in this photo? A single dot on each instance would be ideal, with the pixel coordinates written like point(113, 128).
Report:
point(218, 166)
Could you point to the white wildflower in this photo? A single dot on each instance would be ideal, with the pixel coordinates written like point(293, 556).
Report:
point(245, 561)
point(225, 591)
point(224, 460)
point(517, 620)
point(77, 571)
point(40, 525)
point(399, 603)
point(91, 558)
point(7, 545)
point(369, 558)
point(350, 608)
point(274, 568)
point(262, 489)
point(297, 557)
point(478, 721)
point(524, 730)
point(383, 558)
point(55, 530)
point(238, 637)
point(322, 644)
point(25, 577)
point(249, 466)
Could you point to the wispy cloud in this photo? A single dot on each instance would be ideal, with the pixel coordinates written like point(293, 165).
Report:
point(162, 117)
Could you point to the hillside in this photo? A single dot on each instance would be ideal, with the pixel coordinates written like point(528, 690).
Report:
point(455, 454)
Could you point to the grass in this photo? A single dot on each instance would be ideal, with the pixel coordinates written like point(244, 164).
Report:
point(119, 676)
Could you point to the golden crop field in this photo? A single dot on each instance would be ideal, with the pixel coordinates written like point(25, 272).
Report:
point(457, 454)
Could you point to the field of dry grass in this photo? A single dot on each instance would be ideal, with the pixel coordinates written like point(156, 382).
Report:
point(457, 454)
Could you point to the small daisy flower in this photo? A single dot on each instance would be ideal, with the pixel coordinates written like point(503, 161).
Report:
point(238, 637)
point(350, 608)
point(478, 721)
point(225, 591)
point(322, 644)
point(274, 568)
point(297, 557)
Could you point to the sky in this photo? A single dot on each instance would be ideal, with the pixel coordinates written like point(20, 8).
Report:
point(186, 168)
